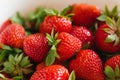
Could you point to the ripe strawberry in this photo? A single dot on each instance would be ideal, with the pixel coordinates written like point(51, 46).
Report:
point(68, 46)
point(36, 47)
point(107, 36)
point(60, 24)
point(84, 34)
point(87, 65)
point(5, 25)
point(13, 36)
point(112, 66)
point(63, 46)
point(53, 72)
point(85, 14)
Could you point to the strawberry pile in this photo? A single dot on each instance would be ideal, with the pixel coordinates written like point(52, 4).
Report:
point(81, 42)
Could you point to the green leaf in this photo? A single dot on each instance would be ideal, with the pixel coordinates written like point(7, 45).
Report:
point(8, 67)
point(117, 40)
point(110, 23)
point(72, 76)
point(67, 9)
point(50, 40)
point(107, 12)
point(50, 59)
point(11, 60)
point(117, 71)
point(51, 12)
point(17, 78)
point(3, 55)
point(114, 11)
point(110, 38)
point(18, 58)
point(18, 19)
point(2, 76)
point(118, 22)
point(109, 72)
point(101, 18)
point(17, 50)
point(57, 42)
point(5, 47)
point(25, 62)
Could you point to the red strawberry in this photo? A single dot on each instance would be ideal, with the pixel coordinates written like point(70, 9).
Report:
point(85, 14)
point(107, 36)
point(112, 66)
point(68, 46)
point(63, 46)
point(87, 65)
point(53, 72)
point(60, 24)
point(84, 34)
point(5, 25)
point(13, 36)
point(36, 47)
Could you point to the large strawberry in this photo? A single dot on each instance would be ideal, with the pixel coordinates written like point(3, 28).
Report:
point(112, 68)
point(63, 47)
point(87, 65)
point(85, 14)
point(107, 36)
point(36, 47)
point(53, 72)
point(84, 34)
point(60, 24)
point(13, 36)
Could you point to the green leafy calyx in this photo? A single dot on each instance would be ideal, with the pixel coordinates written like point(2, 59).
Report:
point(52, 54)
point(112, 74)
point(17, 65)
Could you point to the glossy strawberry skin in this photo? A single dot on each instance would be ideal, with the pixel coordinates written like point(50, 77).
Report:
point(68, 46)
point(5, 25)
point(53, 72)
point(60, 24)
point(113, 61)
point(100, 40)
point(85, 14)
point(36, 46)
point(84, 34)
point(13, 36)
point(87, 65)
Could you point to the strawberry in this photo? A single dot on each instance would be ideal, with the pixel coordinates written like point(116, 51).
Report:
point(60, 24)
point(84, 34)
point(63, 46)
point(87, 65)
point(36, 47)
point(85, 14)
point(13, 36)
point(107, 36)
point(68, 45)
point(5, 25)
point(112, 68)
point(53, 72)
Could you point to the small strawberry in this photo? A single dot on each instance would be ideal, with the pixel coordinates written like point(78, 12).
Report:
point(112, 68)
point(60, 24)
point(84, 34)
point(5, 25)
point(13, 36)
point(87, 65)
point(63, 46)
point(36, 47)
point(85, 14)
point(53, 72)
point(107, 36)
